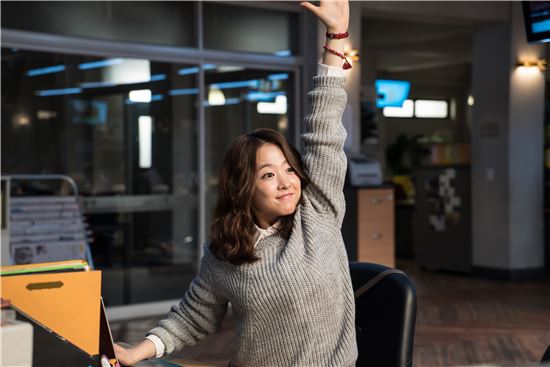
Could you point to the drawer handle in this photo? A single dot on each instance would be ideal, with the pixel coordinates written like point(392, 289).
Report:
point(376, 236)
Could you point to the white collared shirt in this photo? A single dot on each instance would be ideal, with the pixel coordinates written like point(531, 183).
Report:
point(263, 233)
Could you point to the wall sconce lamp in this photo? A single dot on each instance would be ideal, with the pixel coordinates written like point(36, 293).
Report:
point(353, 54)
point(541, 64)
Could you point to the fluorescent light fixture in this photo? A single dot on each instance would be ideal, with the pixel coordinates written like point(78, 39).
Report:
point(243, 84)
point(278, 107)
point(100, 64)
point(228, 101)
point(129, 71)
point(391, 93)
point(157, 77)
point(57, 92)
point(97, 85)
point(263, 96)
point(282, 76)
point(195, 69)
point(87, 85)
point(46, 70)
point(142, 95)
point(229, 68)
point(145, 131)
point(45, 114)
point(183, 92)
point(188, 71)
point(283, 53)
point(434, 109)
point(154, 98)
point(215, 97)
point(406, 111)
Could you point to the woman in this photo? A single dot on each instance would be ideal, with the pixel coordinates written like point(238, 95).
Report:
point(276, 251)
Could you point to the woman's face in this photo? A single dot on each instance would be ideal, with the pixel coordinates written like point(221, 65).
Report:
point(277, 186)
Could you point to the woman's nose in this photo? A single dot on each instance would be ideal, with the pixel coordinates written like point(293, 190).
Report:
point(284, 182)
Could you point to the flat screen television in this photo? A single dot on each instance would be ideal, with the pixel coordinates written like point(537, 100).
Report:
point(391, 93)
point(537, 20)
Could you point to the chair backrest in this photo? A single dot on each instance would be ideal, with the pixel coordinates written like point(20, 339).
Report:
point(385, 317)
point(546, 356)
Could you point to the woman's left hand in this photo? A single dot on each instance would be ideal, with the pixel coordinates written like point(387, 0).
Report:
point(333, 13)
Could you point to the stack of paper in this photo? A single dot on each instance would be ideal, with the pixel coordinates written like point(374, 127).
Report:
point(44, 229)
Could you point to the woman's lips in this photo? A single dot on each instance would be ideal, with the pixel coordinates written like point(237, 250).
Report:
point(285, 196)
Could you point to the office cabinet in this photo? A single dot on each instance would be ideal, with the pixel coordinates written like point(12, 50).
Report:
point(442, 218)
point(368, 228)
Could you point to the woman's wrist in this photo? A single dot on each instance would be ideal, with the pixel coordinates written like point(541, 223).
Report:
point(336, 45)
point(336, 30)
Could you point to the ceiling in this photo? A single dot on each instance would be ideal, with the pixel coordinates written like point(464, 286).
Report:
point(427, 45)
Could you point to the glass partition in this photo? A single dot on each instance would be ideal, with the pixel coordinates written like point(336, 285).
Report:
point(126, 131)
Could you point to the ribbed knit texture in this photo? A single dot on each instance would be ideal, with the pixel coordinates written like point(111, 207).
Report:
point(295, 306)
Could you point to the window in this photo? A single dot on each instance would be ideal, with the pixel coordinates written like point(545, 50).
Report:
point(126, 131)
point(431, 109)
point(419, 108)
point(406, 111)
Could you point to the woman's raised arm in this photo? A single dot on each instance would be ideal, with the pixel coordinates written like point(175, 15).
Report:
point(324, 134)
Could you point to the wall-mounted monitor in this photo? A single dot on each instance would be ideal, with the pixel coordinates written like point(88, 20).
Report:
point(88, 112)
point(537, 20)
point(391, 93)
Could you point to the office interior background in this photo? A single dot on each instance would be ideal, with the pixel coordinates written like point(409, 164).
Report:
point(135, 103)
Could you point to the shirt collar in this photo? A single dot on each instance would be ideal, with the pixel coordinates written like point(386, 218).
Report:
point(262, 233)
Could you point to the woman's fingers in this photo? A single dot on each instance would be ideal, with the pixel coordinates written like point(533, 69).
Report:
point(314, 9)
point(122, 355)
point(333, 13)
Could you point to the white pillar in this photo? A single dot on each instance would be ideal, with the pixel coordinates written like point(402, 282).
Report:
point(507, 151)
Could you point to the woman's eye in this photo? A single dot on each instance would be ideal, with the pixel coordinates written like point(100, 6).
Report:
point(290, 169)
point(268, 175)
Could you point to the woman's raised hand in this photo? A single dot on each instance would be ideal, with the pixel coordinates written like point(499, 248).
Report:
point(333, 13)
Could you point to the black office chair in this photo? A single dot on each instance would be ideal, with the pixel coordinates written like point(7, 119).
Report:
point(385, 315)
point(546, 356)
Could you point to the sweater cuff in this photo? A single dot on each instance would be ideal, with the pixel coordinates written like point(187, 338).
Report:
point(329, 70)
point(159, 345)
point(329, 81)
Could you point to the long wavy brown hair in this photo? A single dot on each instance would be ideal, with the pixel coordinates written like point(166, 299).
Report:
point(233, 226)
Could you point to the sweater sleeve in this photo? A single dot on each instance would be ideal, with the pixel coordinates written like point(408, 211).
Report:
point(199, 313)
point(324, 137)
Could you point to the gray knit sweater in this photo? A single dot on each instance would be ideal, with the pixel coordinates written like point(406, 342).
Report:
point(295, 306)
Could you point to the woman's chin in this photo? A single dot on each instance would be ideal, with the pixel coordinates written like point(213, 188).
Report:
point(287, 211)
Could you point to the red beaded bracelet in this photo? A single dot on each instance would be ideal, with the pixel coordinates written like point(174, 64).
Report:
point(346, 65)
point(337, 36)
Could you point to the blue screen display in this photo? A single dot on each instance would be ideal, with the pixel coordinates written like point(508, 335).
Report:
point(543, 26)
point(391, 93)
point(537, 20)
point(88, 112)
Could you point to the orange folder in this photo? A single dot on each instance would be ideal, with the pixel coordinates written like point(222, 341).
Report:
point(68, 304)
